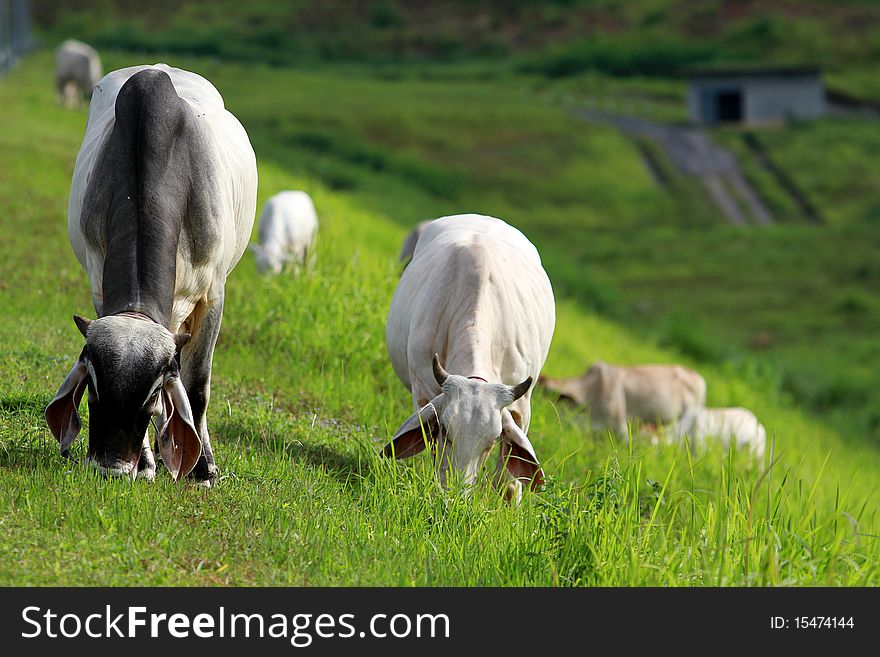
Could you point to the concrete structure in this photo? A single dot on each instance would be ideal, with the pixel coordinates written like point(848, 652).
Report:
point(755, 96)
point(15, 32)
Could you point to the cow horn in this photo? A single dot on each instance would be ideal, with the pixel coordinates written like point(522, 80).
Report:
point(439, 373)
point(520, 389)
point(180, 339)
point(82, 324)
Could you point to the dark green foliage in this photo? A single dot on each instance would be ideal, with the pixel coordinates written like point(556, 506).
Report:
point(685, 334)
point(555, 38)
point(623, 56)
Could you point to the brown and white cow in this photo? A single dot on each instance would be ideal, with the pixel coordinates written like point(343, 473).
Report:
point(653, 394)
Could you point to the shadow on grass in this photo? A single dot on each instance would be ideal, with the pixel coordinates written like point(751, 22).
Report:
point(347, 467)
point(25, 441)
point(29, 453)
point(31, 405)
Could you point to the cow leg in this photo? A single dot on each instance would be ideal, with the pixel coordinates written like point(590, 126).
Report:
point(309, 257)
point(509, 486)
point(147, 464)
point(196, 360)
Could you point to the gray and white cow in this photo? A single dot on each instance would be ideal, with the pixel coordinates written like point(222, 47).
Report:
point(77, 71)
point(161, 207)
point(658, 394)
point(468, 331)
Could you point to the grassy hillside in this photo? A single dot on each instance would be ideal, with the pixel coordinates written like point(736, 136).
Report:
point(432, 110)
point(660, 260)
point(557, 37)
point(304, 394)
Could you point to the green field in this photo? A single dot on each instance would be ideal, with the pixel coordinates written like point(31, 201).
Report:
point(304, 395)
point(661, 261)
point(416, 111)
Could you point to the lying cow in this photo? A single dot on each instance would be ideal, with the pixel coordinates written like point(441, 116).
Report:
point(77, 71)
point(288, 229)
point(476, 299)
point(161, 207)
point(654, 394)
point(409, 244)
point(727, 425)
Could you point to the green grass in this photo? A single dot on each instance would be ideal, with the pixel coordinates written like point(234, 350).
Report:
point(827, 160)
point(304, 395)
point(856, 82)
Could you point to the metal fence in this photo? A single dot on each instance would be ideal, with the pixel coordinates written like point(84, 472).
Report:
point(15, 31)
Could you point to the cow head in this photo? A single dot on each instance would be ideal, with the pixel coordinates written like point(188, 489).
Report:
point(570, 391)
point(463, 423)
point(130, 369)
point(269, 258)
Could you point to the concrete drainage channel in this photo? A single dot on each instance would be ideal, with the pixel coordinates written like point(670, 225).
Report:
point(807, 209)
point(693, 153)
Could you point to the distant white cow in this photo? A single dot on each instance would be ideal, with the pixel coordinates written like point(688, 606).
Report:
point(409, 244)
point(658, 394)
point(727, 425)
point(475, 294)
point(288, 230)
point(77, 71)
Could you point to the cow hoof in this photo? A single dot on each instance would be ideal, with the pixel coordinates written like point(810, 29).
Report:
point(147, 474)
point(203, 472)
point(200, 478)
point(513, 492)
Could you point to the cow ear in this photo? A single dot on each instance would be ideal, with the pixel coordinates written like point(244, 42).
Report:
point(416, 432)
point(179, 444)
point(518, 454)
point(62, 413)
point(82, 324)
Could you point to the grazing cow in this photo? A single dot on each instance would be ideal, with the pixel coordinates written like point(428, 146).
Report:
point(476, 299)
point(161, 208)
point(288, 229)
point(77, 71)
point(409, 244)
point(650, 393)
point(727, 425)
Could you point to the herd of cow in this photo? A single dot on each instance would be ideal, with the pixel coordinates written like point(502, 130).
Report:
point(161, 209)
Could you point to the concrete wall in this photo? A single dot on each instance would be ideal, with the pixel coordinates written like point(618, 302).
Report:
point(15, 34)
point(765, 98)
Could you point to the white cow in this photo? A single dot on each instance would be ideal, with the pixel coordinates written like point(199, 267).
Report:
point(77, 71)
point(475, 298)
point(288, 230)
point(650, 393)
point(727, 425)
point(409, 244)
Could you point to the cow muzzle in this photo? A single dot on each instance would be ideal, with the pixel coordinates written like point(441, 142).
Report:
point(126, 469)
